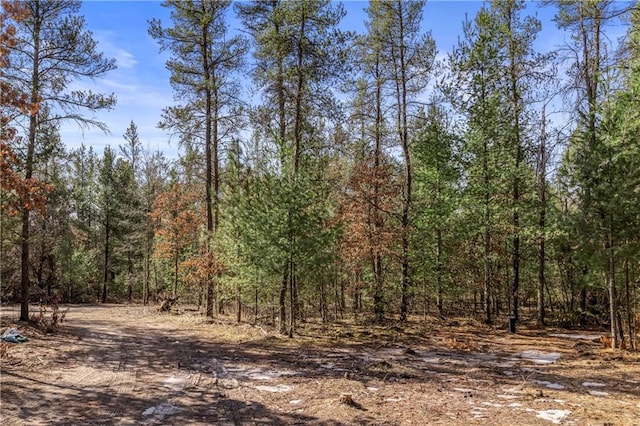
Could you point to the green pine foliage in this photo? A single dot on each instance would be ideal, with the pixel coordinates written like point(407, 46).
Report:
point(324, 174)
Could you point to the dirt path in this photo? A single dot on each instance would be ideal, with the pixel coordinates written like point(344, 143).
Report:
point(130, 365)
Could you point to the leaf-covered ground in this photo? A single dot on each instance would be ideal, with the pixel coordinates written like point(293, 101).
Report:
point(132, 365)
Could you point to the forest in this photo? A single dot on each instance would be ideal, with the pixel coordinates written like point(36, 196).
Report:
point(365, 175)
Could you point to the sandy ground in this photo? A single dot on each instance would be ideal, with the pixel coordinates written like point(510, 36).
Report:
point(131, 365)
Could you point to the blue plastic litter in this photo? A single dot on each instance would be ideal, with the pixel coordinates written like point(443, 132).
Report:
point(12, 335)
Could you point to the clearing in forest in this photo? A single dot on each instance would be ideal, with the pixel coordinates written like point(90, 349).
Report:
point(132, 365)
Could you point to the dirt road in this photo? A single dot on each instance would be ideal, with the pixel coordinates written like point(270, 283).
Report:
point(130, 365)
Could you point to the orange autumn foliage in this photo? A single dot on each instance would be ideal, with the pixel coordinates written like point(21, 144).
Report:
point(178, 214)
point(366, 209)
point(180, 219)
point(29, 194)
point(19, 193)
point(198, 268)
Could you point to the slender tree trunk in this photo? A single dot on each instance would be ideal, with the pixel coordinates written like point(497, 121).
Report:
point(155, 281)
point(209, 148)
point(292, 303)
point(24, 267)
point(403, 133)
point(323, 302)
point(255, 300)
point(515, 105)
point(130, 275)
point(215, 155)
point(107, 242)
point(33, 125)
point(283, 299)
point(147, 267)
point(628, 307)
point(542, 196)
point(297, 139)
point(378, 280)
point(487, 242)
point(439, 270)
point(516, 259)
point(238, 305)
point(175, 274)
point(611, 285)
point(282, 133)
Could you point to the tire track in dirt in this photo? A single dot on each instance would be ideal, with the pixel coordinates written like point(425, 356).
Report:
point(123, 365)
point(105, 373)
point(122, 383)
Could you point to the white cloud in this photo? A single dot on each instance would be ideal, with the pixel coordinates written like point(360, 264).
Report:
point(108, 46)
point(124, 59)
point(142, 103)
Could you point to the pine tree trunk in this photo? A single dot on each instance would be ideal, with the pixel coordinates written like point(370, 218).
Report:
point(378, 279)
point(175, 274)
point(33, 125)
point(238, 305)
point(130, 276)
point(516, 101)
point(209, 147)
point(292, 302)
point(24, 267)
point(403, 133)
point(283, 299)
point(107, 243)
point(613, 302)
point(542, 197)
point(487, 245)
point(439, 271)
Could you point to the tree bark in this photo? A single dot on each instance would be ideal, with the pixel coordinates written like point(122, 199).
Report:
point(542, 197)
point(613, 301)
point(515, 105)
point(403, 134)
point(107, 231)
point(439, 271)
point(209, 164)
point(283, 299)
point(31, 144)
point(378, 280)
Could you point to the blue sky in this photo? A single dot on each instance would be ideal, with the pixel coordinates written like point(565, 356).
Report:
point(141, 82)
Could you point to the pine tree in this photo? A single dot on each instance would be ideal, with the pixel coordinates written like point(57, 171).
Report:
point(133, 215)
point(52, 50)
point(407, 57)
point(524, 71)
point(588, 156)
point(475, 90)
point(297, 52)
point(202, 66)
point(437, 178)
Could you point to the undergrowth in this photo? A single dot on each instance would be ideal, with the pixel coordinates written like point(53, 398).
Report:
point(49, 317)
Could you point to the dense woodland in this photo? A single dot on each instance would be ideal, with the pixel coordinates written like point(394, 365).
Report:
point(349, 179)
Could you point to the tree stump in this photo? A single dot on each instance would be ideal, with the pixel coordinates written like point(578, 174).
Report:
point(346, 398)
point(167, 304)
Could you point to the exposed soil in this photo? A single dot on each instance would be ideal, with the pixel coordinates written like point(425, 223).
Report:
point(133, 365)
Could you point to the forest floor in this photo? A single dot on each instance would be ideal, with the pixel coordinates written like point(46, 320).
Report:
point(116, 364)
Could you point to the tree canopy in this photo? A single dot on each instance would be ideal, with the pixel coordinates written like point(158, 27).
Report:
point(331, 173)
